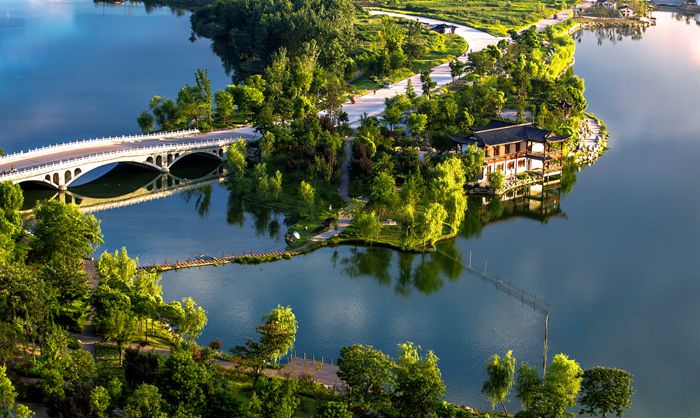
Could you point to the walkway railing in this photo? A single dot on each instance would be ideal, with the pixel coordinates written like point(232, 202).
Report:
point(96, 157)
point(91, 142)
point(505, 286)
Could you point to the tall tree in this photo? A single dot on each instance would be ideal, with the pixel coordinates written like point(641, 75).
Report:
point(383, 193)
point(144, 402)
point(501, 373)
point(120, 326)
point(8, 396)
point(62, 231)
point(367, 372)
point(419, 384)
point(194, 321)
point(605, 391)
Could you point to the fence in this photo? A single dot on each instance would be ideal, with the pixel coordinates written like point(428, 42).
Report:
point(507, 287)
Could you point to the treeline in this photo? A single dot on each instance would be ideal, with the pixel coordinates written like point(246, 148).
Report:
point(533, 75)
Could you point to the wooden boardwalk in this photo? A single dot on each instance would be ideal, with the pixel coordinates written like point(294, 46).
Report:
point(250, 258)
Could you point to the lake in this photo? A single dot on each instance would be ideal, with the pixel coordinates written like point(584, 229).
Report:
point(616, 258)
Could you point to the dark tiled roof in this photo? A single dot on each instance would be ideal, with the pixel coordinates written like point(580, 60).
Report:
point(500, 132)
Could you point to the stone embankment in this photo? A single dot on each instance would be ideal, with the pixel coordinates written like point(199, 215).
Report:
point(593, 142)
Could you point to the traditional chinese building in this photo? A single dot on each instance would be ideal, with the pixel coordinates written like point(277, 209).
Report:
point(515, 148)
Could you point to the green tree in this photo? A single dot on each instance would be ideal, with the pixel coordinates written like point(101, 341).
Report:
point(501, 373)
point(419, 385)
point(145, 402)
point(427, 83)
point(457, 68)
point(183, 381)
point(278, 332)
point(496, 180)
point(559, 388)
point(367, 224)
point(276, 398)
point(164, 111)
point(430, 223)
point(473, 162)
point(528, 384)
point(236, 157)
point(333, 409)
point(222, 402)
point(383, 193)
point(146, 122)
point(119, 325)
point(605, 391)
point(8, 341)
point(194, 321)
point(367, 372)
point(224, 107)
point(447, 188)
point(62, 231)
point(8, 396)
point(417, 123)
point(307, 194)
point(99, 401)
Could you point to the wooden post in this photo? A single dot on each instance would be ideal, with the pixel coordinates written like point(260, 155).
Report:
point(546, 345)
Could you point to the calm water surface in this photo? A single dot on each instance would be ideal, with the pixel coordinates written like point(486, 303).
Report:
point(74, 69)
point(617, 262)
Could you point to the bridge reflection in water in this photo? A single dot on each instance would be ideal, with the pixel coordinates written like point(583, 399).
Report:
point(126, 185)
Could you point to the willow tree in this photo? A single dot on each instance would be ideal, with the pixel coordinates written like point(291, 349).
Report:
point(501, 374)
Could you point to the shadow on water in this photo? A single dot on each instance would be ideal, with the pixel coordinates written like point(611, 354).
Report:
point(125, 184)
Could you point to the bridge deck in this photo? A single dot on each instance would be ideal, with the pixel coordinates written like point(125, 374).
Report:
point(32, 160)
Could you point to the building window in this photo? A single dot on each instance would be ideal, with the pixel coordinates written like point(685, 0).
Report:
point(508, 149)
point(497, 150)
point(517, 147)
point(499, 167)
point(488, 170)
point(521, 163)
point(511, 165)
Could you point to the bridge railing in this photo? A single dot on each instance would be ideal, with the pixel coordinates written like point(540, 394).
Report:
point(93, 142)
point(22, 173)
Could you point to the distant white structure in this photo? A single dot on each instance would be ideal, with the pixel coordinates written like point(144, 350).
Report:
point(627, 11)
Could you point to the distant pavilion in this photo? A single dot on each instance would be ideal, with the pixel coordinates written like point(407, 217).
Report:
point(515, 148)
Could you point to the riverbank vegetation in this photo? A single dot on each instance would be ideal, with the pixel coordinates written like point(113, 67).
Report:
point(351, 45)
point(494, 17)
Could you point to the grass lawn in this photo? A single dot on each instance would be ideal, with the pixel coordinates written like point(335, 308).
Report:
point(493, 16)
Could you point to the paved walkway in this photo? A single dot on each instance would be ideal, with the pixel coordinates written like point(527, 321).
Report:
point(344, 221)
point(324, 373)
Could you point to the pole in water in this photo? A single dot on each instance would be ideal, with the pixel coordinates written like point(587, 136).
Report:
point(470, 260)
point(546, 345)
point(485, 264)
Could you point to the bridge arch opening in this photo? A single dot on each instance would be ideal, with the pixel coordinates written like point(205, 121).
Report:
point(56, 179)
point(149, 160)
point(208, 159)
point(67, 177)
point(159, 161)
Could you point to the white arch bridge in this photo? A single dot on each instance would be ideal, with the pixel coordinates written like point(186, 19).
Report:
point(58, 166)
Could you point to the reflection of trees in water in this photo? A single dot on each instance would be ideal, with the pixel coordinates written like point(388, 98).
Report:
point(423, 272)
point(613, 34)
point(201, 197)
point(265, 218)
point(688, 18)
